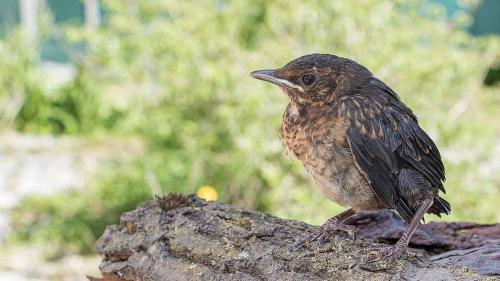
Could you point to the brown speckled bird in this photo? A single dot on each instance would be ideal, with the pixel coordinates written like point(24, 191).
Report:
point(363, 147)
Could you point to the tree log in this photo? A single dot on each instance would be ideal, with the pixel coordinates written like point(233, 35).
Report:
point(185, 238)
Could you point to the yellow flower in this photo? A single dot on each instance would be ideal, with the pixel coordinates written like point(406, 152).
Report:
point(207, 192)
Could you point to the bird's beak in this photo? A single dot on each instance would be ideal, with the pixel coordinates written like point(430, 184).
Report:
point(270, 75)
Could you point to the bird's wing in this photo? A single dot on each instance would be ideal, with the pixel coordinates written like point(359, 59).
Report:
point(386, 140)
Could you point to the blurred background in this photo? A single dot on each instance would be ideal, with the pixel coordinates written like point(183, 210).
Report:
point(104, 104)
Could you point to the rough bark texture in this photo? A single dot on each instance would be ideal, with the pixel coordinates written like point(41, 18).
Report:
point(185, 238)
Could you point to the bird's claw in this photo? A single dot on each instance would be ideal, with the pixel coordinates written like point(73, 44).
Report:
point(299, 243)
point(302, 241)
point(389, 254)
point(323, 238)
point(322, 234)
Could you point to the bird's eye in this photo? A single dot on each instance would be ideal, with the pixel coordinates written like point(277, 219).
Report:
point(308, 79)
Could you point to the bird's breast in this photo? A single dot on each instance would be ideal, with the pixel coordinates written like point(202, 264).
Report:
point(319, 141)
point(313, 134)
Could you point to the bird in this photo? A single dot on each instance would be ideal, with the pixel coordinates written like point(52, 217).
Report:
point(361, 144)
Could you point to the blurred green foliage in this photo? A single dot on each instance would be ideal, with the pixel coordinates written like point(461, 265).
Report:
point(175, 73)
point(75, 108)
point(30, 104)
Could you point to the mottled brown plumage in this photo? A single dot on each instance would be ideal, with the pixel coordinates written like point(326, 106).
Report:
point(360, 143)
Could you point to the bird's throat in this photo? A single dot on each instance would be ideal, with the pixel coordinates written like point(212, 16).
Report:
point(293, 111)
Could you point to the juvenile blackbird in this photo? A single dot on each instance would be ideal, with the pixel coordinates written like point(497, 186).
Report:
point(363, 147)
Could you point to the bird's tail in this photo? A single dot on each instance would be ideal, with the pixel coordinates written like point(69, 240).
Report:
point(440, 206)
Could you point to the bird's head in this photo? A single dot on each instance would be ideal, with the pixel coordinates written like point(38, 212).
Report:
point(316, 78)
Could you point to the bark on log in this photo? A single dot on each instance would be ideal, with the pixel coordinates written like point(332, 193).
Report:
point(185, 238)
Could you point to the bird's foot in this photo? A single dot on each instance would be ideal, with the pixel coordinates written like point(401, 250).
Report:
point(323, 233)
point(389, 254)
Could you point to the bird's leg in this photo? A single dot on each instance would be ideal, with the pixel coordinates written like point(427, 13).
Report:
point(392, 253)
point(325, 231)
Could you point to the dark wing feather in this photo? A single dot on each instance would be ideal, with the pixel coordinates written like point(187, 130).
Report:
point(385, 139)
